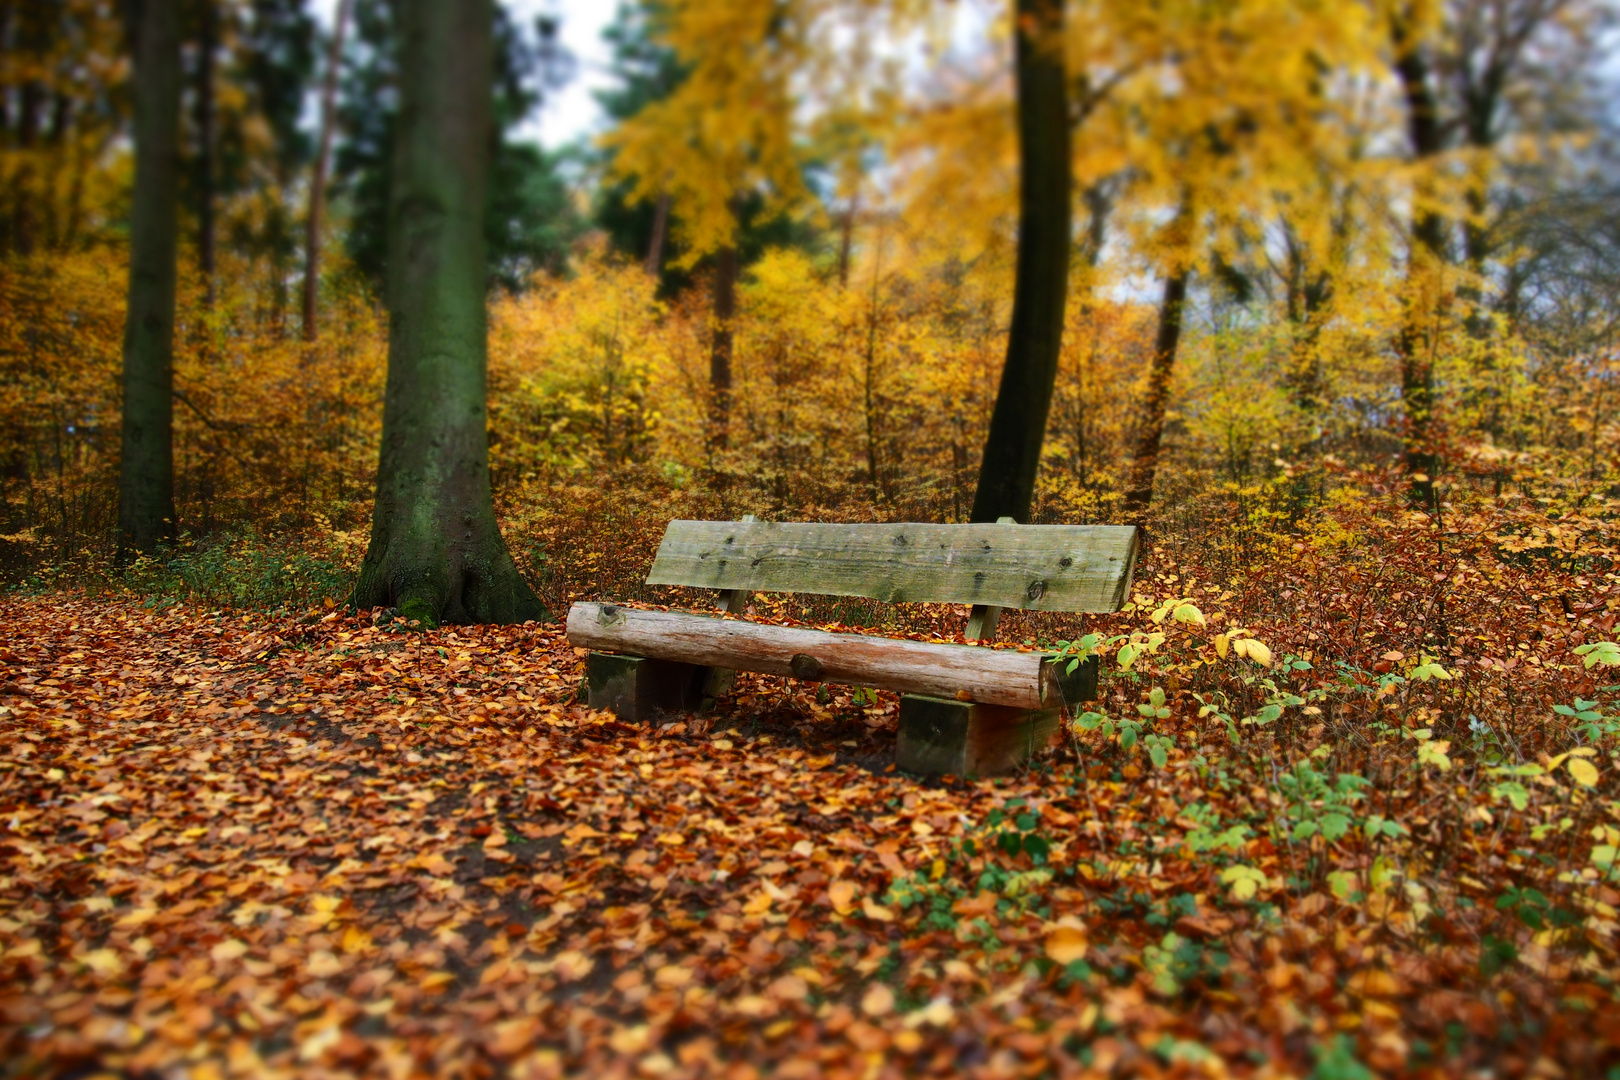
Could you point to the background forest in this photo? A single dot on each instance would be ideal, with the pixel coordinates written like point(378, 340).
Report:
point(1362, 205)
point(1339, 324)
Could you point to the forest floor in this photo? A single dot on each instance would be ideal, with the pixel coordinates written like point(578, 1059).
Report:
point(251, 845)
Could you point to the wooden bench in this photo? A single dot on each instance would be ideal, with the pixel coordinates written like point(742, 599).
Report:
point(965, 709)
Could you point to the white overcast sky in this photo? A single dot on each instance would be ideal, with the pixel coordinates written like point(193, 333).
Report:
point(571, 111)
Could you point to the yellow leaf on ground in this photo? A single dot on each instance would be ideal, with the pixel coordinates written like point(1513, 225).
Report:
point(875, 912)
point(572, 965)
point(937, 1013)
point(106, 962)
point(355, 940)
point(137, 917)
point(878, 1000)
point(1066, 940)
point(229, 949)
point(630, 1040)
point(673, 976)
point(842, 895)
point(319, 1043)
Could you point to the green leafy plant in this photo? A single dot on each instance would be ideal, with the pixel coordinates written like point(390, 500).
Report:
point(1606, 653)
point(1321, 804)
point(1591, 722)
point(1175, 961)
point(1208, 835)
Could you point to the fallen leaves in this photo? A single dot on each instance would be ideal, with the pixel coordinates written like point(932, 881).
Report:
point(323, 857)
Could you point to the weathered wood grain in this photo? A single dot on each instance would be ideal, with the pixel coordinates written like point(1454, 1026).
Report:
point(1031, 567)
point(982, 619)
point(717, 681)
point(998, 677)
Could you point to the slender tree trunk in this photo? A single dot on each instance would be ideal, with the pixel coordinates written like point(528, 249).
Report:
point(24, 195)
point(317, 187)
point(725, 311)
point(1424, 272)
point(436, 552)
point(146, 466)
point(57, 141)
point(655, 249)
point(870, 381)
point(1145, 457)
point(7, 24)
point(207, 138)
point(846, 241)
point(1012, 452)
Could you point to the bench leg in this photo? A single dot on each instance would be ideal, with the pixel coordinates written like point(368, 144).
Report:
point(716, 685)
point(635, 688)
point(939, 736)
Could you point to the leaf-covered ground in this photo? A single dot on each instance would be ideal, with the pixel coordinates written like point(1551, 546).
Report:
point(243, 845)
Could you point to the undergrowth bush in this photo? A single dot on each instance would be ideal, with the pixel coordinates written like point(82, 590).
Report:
point(239, 568)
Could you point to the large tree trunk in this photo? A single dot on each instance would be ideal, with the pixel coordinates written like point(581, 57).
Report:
point(725, 311)
point(436, 553)
point(1145, 458)
point(1424, 272)
point(146, 467)
point(317, 187)
point(1012, 452)
point(207, 138)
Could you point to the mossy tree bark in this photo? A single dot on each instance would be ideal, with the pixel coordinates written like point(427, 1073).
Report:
point(146, 464)
point(1012, 452)
point(436, 552)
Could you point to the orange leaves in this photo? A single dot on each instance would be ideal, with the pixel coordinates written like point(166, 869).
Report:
point(296, 873)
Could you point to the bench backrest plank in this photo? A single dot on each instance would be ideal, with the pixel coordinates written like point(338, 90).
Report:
point(1031, 567)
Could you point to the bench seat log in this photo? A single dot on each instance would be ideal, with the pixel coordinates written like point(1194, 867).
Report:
point(987, 676)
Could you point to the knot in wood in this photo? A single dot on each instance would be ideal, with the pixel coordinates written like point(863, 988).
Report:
point(806, 667)
point(1036, 590)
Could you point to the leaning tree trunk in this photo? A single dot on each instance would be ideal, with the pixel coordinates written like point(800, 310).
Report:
point(1424, 273)
point(317, 184)
point(1145, 458)
point(146, 465)
point(436, 552)
point(1012, 451)
point(660, 228)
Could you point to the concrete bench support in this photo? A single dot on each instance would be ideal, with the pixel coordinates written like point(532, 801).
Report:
point(636, 689)
point(960, 738)
point(940, 736)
